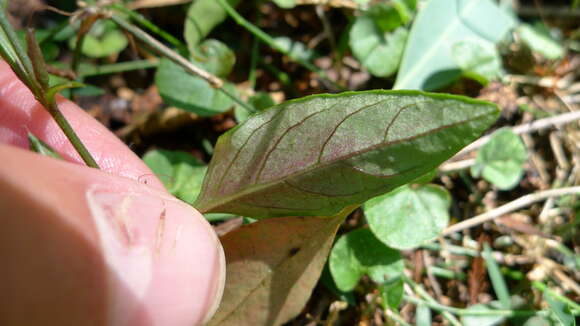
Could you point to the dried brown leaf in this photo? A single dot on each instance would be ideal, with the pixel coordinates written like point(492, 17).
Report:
point(272, 267)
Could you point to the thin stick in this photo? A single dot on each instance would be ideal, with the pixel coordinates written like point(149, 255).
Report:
point(457, 165)
point(510, 207)
point(150, 26)
point(527, 128)
point(264, 37)
point(167, 52)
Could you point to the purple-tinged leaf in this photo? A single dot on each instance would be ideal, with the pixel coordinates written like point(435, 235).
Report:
point(319, 154)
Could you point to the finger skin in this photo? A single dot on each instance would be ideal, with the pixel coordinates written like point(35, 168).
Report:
point(21, 113)
point(79, 246)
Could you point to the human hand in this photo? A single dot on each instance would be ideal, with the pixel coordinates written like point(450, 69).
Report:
point(80, 246)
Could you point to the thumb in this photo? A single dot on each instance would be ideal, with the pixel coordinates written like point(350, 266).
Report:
point(79, 246)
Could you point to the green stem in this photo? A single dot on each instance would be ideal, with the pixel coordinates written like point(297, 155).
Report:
point(396, 317)
point(150, 26)
point(117, 67)
point(67, 129)
point(466, 312)
point(430, 300)
point(264, 37)
point(544, 288)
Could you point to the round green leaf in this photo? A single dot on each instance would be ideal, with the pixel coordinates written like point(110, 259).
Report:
point(104, 39)
point(409, 216)
point(214, 57)
point(191, 93)
point(378, 51)
point(358, 253)
point(500, 161)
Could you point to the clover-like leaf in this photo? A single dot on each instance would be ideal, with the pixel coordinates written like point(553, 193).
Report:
point(191, 93)
point(214, 57)
point(500, 161)
point(202, 17)
point(409, 216)
point(319, 154)
point(360, 253)
point(379, 48)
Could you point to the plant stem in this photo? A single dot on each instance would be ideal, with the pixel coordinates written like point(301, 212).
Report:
point(117, 67)
point(86, 26)
point(511, 206)
point(264, 37)
point(67, 129)
point(214, 81)
point(466, 312)
point(150, 26)
point(430, 300)
point(544, 288)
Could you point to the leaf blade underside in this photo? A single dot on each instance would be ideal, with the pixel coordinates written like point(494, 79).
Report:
point(319, 154)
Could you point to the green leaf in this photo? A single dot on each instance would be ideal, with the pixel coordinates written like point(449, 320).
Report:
point(191, 93)
point(272, 267)
point(392, 293)
point(428, 62)
point(202, 17)
point(327, 280)
point(478, 60)
point(386, 16)
point(359, 253)
point(377, 38)
point(104, 39)
point(500, 161)
point(181, 173)
point(285, 3)
point(42, 148)
point(538, 38)
point(379, 52)
point(322, 153)
point(490, 320)
point(214, 57)
point(560, 311)
point(66, 84)
point(409, 216)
